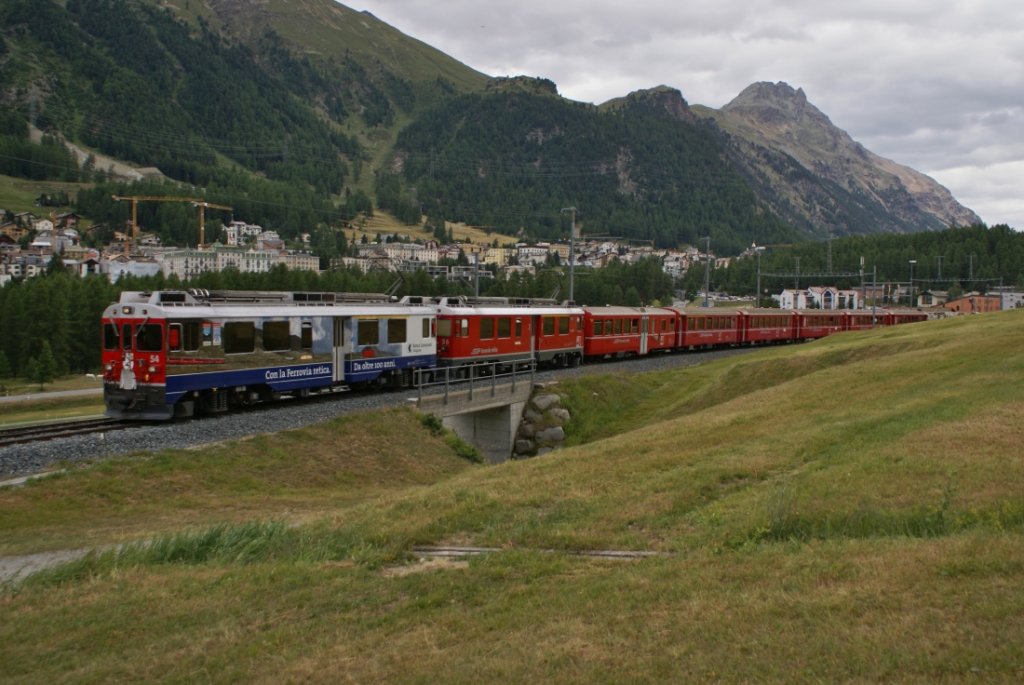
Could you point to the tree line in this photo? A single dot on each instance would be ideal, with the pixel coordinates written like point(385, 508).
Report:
point(970, 258)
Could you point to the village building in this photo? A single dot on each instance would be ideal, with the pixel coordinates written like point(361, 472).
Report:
point(932, 298)
point(818, 297)
point(974, 303)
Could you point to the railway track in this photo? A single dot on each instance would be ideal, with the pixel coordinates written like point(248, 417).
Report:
point(51, 431)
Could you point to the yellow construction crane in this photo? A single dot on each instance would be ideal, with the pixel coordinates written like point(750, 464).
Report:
point(194, 201)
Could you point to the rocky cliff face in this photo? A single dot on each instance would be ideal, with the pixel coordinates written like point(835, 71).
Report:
point(815, 175)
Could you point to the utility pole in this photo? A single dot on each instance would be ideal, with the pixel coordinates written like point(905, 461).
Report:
point(874, 292)
point(757, 294)
point(707, 268)
point(572, 249)
point(476, 274)
point(912, 263)
point(970, 277)
point(863, 304)
point(796, 281)
point(828, 266)
point(938, 258)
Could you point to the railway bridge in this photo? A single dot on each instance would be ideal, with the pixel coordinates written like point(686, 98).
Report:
point(484, 409)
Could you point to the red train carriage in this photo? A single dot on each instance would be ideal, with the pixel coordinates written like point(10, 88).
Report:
point(863, 320)
point(811, 324)
point(474, 331)
point(559, 338)
point(894, 317)
point(708, 327)
point(615, 332)
point(767, 325)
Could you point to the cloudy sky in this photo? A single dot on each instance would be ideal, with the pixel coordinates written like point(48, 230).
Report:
point(937, 85)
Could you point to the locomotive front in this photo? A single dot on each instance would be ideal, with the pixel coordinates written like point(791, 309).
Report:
point(135, 360)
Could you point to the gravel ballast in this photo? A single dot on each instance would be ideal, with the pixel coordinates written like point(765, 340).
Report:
point(20, 460)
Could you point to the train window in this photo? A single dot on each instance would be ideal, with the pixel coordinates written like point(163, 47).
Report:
point(444, 328)
point(608, 327)
point(598, 327)
point(549, 325)
point(617, 326)
point(191, 336)
point(634, 325)
point(504, 327)
point(563, 325)
point(239, 337)
point(425, 334)
point(306, 341)
point(368, 332)
point(396, 331)
point(486, 328)
point(463, 328)
point(519, 328)
point(110, 339)
point(126, 336)
point(276, 336)
point(149, 338)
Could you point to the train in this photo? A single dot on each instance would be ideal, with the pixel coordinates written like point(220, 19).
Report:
point(177, 353)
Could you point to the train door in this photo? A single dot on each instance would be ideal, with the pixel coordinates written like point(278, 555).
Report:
point(643, 334)
point(338, 348)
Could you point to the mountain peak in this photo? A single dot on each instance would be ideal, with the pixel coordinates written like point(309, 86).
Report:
point(665, 98)
point(778, 117)
point(522, 84)
point(766, 90)
point(777, 104)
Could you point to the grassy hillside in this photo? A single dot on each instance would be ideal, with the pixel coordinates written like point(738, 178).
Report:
point(850, 509)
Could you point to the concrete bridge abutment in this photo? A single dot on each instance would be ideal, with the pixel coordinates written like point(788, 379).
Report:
point(485, 413)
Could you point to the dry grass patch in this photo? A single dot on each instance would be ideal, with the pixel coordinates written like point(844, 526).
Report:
point(300, 475)
point(863, 610)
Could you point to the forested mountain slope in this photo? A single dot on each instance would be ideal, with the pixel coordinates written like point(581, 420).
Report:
point(302, 114)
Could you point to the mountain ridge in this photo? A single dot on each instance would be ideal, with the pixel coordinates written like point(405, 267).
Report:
point(778, 117)
point(334, 101)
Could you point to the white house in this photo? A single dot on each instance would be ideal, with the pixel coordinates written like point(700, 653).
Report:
point(818, 297)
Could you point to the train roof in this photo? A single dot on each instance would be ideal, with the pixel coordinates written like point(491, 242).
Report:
point(614, 310)
point(498, 306)
point(195, 303)
point(707, 311)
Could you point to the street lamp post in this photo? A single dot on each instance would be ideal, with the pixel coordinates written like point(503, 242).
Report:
point(912, 263)
point(572, 249)
point(707, 268)
point(757, 293)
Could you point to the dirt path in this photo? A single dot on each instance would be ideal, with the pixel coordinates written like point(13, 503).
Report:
point(13, 569)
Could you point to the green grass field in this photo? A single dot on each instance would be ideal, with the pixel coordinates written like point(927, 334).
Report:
point(40, 406)
point(846, 510)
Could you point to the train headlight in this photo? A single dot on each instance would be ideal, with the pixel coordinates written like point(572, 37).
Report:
point(108, 367)
point(151, 369)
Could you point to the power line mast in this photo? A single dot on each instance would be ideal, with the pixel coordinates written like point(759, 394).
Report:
point(707, 268)
point(828, 265)
point(572, 249)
